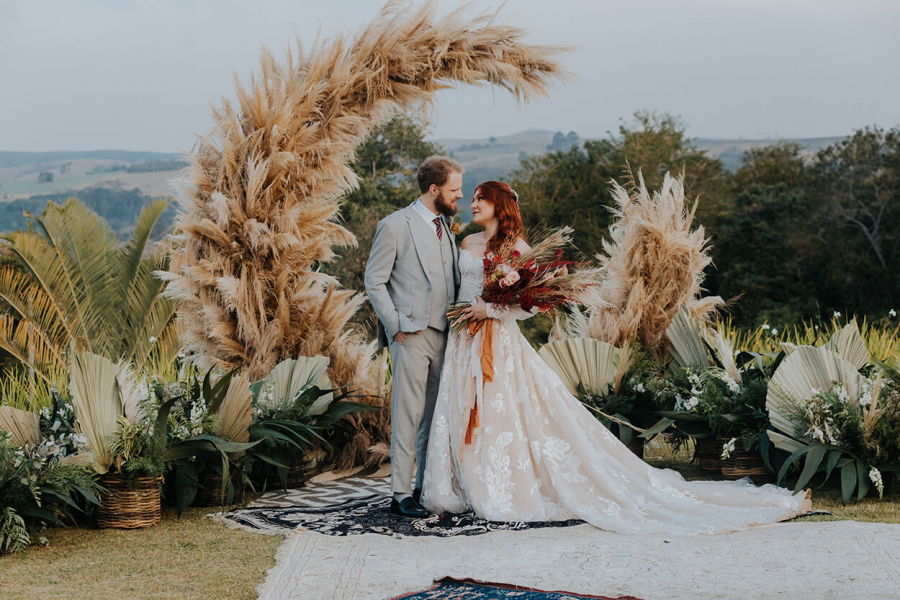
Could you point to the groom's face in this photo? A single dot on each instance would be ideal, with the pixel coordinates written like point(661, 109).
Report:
point(448, 195)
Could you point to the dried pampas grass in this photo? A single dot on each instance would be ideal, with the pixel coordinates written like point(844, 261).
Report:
point(653, 265)
point(259, 208)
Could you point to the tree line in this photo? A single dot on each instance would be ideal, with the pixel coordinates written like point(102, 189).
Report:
point(794, 235)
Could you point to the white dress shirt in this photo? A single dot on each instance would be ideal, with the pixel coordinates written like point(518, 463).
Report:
point(425, 213)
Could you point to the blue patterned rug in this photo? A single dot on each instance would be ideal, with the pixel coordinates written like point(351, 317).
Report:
point(451, 589)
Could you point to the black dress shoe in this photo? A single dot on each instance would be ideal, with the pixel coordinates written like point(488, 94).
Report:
point(408, 507)
point(417, 495)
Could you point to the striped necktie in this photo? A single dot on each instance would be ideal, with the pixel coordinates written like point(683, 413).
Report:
point(438, 228)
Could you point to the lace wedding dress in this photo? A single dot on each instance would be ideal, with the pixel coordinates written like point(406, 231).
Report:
point(537, 454)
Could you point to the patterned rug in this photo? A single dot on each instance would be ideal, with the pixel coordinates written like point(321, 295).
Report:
point(451, 589)
point(369, 514)
point(326, 494)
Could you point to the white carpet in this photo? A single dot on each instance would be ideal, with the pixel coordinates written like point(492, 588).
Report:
point(826, 561)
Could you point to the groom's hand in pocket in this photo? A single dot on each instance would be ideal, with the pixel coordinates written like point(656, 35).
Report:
point(402, 335)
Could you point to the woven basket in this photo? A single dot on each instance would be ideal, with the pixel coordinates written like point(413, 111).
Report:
point(708, 454)
point(296, 474)
point(636, 445)
point(741, 464)
point(129, 503)
point(210, 491)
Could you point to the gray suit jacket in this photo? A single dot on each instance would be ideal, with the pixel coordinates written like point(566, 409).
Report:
point(397, 280)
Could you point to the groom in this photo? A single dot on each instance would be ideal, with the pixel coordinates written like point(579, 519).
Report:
point(411, 280)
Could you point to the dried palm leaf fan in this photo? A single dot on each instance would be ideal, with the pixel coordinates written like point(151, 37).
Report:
point(291, 377)
point(236, 411)
point(97, 400)
point(687, 341)
point(259, 208)
point(583, 363)
point(793, 384)
point(23, 425)
point(847, 342)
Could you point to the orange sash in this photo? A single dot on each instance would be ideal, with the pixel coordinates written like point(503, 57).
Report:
point(487, 369)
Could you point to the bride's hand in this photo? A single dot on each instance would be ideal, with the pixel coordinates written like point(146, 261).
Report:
point(478, 309)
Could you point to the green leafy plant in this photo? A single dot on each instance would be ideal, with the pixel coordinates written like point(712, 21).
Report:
point(293, 408)
point(36, 490)
point(833, 418)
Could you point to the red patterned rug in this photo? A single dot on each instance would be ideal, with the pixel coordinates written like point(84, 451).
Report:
point(467, 589)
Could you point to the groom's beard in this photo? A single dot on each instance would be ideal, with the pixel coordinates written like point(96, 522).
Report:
point(444, 206)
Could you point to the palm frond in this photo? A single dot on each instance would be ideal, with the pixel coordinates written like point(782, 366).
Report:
point(850, 345)
point(583, 364)
point(798, 378)
point(22, 425)
point(687, 341)
point(236, 411)
point(97, 399)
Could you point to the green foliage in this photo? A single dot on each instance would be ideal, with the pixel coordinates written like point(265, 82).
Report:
point(636, 401)
point(36, 489)
point(284, 433)
point(74, 286)
point(794, 236)
point(759, 248)
point(572, 187)
point(152, 166)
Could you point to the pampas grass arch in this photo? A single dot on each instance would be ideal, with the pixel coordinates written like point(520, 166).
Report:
point(259, 208)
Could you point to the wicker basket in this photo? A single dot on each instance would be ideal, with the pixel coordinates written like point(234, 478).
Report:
point(210, 491)
point(636, 445)
point(129, 503)
point(741, 464)
point(296, 474)
point(708, 454)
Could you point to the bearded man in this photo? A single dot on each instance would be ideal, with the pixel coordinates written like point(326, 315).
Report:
point(411, 280)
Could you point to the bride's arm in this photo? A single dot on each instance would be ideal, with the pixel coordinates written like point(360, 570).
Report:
point(508, 312)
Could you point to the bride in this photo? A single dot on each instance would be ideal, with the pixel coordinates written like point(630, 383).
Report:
point(536, 454)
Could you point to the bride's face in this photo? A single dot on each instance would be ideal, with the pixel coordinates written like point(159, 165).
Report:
point(482, 210)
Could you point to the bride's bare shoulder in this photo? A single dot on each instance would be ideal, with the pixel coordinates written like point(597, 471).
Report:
point(474, 241)
point(522, 245)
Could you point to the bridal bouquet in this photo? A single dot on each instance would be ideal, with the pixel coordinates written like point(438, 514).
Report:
point(539, 278)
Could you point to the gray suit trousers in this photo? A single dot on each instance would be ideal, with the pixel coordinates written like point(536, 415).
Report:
point(417, 364)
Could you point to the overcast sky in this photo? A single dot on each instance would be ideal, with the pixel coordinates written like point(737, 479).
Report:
point(137, 75)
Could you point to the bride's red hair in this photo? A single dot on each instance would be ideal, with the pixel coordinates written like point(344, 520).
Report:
point(506, 210)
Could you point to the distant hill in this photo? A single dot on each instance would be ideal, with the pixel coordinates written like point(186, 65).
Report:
point(25, 174)
point(731, 152)
point(33, 177)
point(18, 159)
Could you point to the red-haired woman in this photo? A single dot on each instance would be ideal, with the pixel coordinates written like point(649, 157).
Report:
point(529, 451)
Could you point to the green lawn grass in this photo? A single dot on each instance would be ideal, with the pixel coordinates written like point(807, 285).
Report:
point(190, 557)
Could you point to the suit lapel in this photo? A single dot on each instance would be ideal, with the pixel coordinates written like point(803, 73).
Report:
point(417, 229)
point(454, 250)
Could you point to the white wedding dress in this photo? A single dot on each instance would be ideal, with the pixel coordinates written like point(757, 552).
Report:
point(537, 454)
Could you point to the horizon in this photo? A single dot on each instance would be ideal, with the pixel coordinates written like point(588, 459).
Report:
point(432, 138)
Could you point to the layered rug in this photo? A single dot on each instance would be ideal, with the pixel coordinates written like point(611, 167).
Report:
point(356, 506)
point(343, 544)
point(825, 560)
point(451, 589)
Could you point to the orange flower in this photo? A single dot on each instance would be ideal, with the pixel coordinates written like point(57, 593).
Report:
point(454, 227)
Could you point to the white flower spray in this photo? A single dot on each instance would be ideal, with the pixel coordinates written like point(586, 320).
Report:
point(875, 476)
